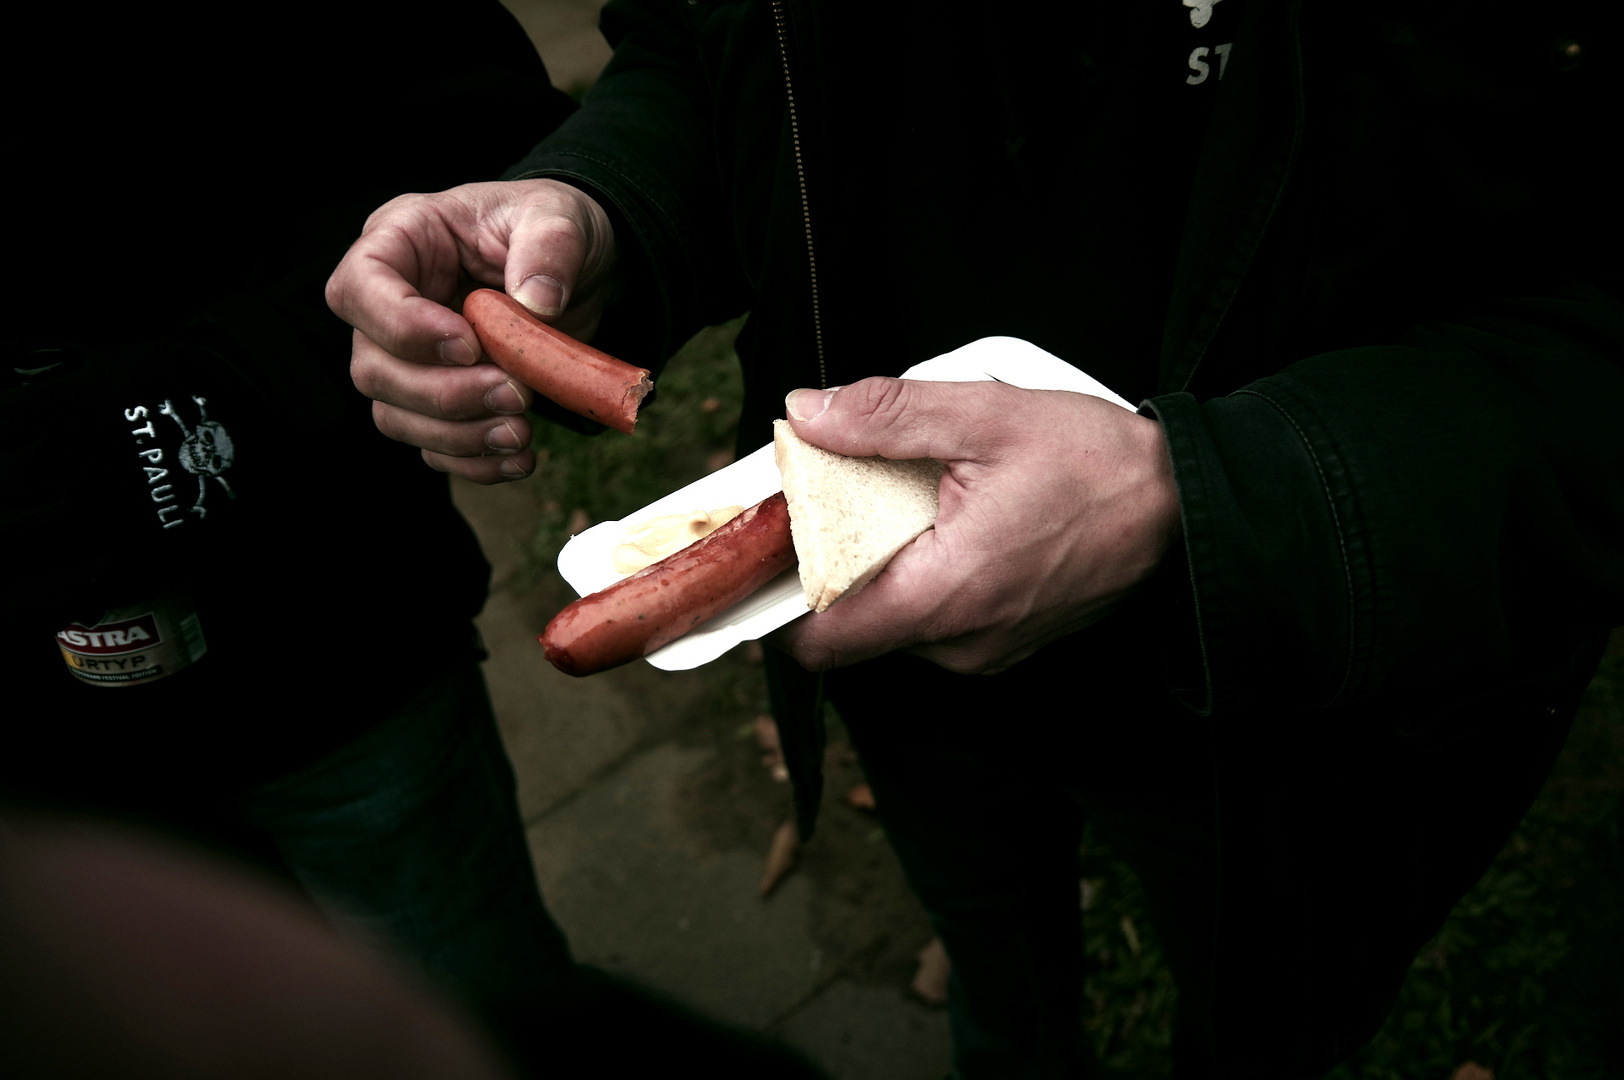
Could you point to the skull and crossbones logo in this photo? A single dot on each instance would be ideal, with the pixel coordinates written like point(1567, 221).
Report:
point(1200, 11)
point(206, 450)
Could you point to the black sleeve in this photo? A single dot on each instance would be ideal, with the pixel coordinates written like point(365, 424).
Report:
point(654, 143)
point(1447, 511)
point(1401, 461)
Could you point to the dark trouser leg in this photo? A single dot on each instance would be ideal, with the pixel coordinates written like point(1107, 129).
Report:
point(411, 835)
point(994, 861)
point(979, 782)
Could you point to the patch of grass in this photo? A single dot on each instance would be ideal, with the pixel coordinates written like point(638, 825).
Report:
point(1128, 993)
point(1524, 978)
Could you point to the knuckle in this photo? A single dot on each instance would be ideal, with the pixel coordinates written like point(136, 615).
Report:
point(435, 405)
point(364, 378)
point(436, 462)
point(881, 404)
point(565, 224)
point(334, 292)
point(447, 396)
point(552, 224)
point(385, 420)
point(879, 399)
point(390, 209)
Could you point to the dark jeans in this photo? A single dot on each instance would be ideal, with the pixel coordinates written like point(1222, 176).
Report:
point(982, 784)
point(410, 835)
point(1251, 834)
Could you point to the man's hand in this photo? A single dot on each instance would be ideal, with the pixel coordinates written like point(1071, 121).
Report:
point(1054, 506)
point(401, 286)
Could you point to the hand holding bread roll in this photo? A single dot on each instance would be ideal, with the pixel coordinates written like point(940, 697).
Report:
point(1053, 507)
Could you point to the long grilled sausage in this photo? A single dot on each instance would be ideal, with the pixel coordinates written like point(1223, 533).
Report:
point(555, 365)
point(662, 602)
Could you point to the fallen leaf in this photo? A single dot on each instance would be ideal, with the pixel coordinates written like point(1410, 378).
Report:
point(772, 758)
point(579, 521)
point(1130, 932)
point(930, 981)
point(718, 460)
point(767, 734)
point(753, 653)
point(1471, 1070)
point(860, 797)
point(710, 405)
point(838, 756)
point(780, 857)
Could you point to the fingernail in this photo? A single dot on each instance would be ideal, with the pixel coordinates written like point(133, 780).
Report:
point(455, 351)
point(503, 437)
point(512, 469)
point(807, 405)
point(505, 399)
point(541, 294)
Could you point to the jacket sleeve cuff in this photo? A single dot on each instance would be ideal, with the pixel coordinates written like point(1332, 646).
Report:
point(1270, 560)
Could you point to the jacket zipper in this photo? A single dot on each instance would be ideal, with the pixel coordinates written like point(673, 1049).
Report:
point(779, 23)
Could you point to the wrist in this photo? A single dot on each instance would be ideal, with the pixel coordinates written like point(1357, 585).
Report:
point(1162, 520)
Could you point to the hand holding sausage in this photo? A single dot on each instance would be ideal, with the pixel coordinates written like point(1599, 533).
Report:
point(1053, 508)
point(545, 243)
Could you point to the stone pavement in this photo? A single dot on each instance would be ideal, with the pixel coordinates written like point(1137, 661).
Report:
point(649, 814)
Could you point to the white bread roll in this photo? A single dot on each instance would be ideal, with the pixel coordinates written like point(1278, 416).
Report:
point(849, 516)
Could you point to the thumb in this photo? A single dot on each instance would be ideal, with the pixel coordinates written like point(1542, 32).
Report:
point(893, 418)
point(560, 248)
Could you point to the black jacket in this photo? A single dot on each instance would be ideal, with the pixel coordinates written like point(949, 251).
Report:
point(185, 185)
point(1393, 300)
point(1369, 289)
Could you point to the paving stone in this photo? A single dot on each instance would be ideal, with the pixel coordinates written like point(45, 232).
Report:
point(565, 33)
point(859, 1032)
point(560, 731)
point(639, 896)
point(504, 517)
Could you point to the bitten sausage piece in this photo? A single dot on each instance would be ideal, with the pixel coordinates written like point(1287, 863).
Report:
point(662, 602)
point(555, 365)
